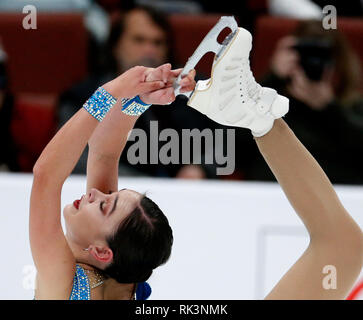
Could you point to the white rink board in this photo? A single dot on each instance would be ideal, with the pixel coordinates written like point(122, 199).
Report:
point(232, 240)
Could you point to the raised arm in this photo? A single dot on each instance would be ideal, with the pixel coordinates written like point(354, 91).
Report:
point(109, 139)
point(335, 239)
point(105, 148)
point(54, 165)
point(232, 97)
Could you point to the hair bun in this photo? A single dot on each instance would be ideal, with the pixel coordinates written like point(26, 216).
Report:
point(143, 291)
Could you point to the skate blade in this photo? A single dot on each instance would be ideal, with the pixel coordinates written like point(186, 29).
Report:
point(209, 44)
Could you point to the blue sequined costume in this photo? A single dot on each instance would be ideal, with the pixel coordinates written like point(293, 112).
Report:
point(81, 289)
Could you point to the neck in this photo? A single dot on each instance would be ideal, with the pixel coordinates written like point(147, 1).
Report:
point(118, 291)
point(112, 289)
point(82, 256)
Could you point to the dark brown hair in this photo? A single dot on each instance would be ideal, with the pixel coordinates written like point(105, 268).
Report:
point(142, 242)
point(119, 25)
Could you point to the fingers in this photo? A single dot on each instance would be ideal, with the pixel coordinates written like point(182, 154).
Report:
point(160, 73)
point(173, 74)
point(188, 83)
point(168, 96)
point(188, 88)
point(176, 72)
point(150, 86)
point(161, 97)
point(165, 72)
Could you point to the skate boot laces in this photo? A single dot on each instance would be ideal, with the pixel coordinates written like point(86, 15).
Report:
point(239, 71)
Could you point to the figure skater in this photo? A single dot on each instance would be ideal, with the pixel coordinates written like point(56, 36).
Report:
point(114, 238)
point(231, 97)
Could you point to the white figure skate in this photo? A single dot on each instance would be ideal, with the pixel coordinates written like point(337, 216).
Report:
point(231, 96)
point(209, 44)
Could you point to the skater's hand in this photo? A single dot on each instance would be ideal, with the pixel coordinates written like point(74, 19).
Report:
point(187, 83)
point(166, 94)
point(132, 83)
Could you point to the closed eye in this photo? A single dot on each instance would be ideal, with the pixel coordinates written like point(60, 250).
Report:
point(114, 206)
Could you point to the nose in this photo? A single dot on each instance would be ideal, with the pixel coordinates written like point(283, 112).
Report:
point(94, 195)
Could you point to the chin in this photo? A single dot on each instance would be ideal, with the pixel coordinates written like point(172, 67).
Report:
point(69, 209)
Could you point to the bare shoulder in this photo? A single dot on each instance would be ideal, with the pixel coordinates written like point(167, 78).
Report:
point(58, 288)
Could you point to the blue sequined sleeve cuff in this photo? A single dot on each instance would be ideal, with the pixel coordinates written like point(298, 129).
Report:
point(134, 106)
point(99, 103)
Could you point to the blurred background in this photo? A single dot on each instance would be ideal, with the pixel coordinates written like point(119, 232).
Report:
point(47, 74)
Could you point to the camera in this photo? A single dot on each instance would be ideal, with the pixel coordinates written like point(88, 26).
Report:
point(3, 75)
point(315, 56)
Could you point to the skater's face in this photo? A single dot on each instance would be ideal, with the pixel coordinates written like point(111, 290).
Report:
point(142, 42)
point(97, 215)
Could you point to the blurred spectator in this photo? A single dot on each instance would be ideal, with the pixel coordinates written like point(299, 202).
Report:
point(140, 37)
point(318, 71)
point(8, 151)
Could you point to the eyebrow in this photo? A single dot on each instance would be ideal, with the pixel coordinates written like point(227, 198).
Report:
point(114, 206)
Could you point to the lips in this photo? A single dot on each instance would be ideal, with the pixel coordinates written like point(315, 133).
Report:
point(76, 203)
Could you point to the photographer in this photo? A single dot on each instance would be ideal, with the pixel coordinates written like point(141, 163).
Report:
point(319, 73)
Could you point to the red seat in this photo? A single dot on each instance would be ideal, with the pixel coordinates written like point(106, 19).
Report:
point(48, 59)
point(188, 31)
point(32, 127)
point(41, 64)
